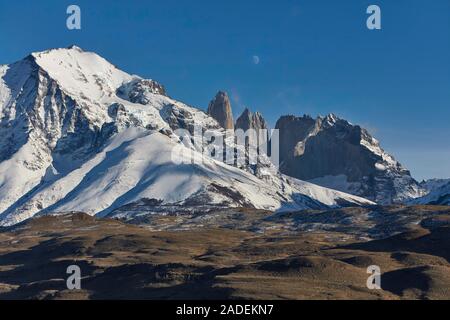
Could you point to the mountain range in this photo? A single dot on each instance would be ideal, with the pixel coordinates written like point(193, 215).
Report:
point(79, 134)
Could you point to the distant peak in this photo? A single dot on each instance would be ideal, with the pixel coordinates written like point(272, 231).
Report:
point(220, 109)
point(246, 111)
point(74, 47)
point(249, 120)
point(291, 117)
point(332, 117)
point(222, 94)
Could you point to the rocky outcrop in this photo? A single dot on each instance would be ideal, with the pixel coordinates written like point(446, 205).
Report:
point(334, 153)
point(220, 109)
point(249, 120)
point(137, 91)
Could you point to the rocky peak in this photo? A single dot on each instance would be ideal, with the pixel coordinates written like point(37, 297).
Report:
point(438, 193)
point(249, 120)
point(140, 90)
point(220, 109)
point(75, 47)
point(332, 152)
point(331, 119)
point(293, 130)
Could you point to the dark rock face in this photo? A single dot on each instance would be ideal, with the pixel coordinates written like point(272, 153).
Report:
point(249, 120)
point(137, 91)
point(220, 109)
point(334, 153)
point(179, 118)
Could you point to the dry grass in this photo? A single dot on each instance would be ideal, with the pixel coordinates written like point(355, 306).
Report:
point(123, 261)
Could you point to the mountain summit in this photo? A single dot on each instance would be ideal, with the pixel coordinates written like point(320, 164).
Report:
point(249, 120)
point(331, 152)
point(220, 109)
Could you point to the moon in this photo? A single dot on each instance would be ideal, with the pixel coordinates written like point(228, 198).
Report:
point(256, 60)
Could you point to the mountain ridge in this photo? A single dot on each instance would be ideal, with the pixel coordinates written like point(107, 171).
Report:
point(332, 152)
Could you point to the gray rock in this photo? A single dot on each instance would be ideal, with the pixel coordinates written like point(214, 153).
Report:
point(249, 120)
point(138, 90)
point(334, 153)
point(220, 109)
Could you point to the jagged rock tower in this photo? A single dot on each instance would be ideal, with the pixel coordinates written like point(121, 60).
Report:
point(249, 120)
point(220, 109)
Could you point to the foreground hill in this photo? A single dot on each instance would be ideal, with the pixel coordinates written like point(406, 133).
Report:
point(179, 257)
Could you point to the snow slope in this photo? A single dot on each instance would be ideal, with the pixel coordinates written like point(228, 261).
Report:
point(433, 184)
point(439, 194)
point(76, 133)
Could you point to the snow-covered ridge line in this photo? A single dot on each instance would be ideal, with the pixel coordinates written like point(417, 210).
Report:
point(439, 193)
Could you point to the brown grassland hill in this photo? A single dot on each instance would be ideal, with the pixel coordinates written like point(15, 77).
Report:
point(233, 254)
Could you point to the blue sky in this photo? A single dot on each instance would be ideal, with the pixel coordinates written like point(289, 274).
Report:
point(315, 57)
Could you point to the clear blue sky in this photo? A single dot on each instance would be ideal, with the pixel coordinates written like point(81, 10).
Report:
point(315, 57)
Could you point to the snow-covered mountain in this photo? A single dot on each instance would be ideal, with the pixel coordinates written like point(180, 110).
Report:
point(334, 153)
point(438, 193)
point(76, 133)
point(431, 185)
